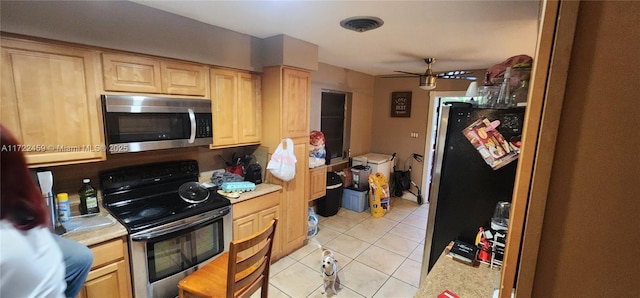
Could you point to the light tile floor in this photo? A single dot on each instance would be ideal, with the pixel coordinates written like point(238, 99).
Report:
point(377, 257)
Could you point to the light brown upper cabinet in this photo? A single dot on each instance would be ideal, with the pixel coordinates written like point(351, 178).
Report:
point(184, 78)
point(50, 103)
point(296, 89)
point(249, 109)
point(285, 104)
point(236, 108)
point(140, 74)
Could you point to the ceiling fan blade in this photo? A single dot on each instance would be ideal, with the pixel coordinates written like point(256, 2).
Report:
point(409, 73)
point(455, 73)
point(457, 77)
point(397, 76)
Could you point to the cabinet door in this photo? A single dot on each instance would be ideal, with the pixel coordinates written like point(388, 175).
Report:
point(295, 103)
point(245, 227)
point(50, 103)
point(295, 200)
point(224, 91)
point(107, 281)
point(265, 218)
point(249, 109)
point(317, 182)
point(184, 79)
point(131, 73)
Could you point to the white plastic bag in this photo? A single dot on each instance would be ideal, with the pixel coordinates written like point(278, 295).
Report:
point(283, 162)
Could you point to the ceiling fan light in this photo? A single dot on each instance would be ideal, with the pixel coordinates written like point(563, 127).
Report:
point(427, 87)
point(427, 82)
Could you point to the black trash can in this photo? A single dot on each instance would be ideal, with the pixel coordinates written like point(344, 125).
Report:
point(330, 203)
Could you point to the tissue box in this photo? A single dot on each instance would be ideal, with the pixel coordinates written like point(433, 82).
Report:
point(355, 200)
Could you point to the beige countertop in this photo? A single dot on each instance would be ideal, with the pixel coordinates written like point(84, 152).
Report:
point(261, 189)
point(98, 235)
point(460, 279)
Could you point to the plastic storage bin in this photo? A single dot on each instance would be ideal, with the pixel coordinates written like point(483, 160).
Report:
point(355, 200)
point(329, 205)
point(378, 162)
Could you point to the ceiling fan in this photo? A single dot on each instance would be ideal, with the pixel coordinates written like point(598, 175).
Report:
point(428, 79)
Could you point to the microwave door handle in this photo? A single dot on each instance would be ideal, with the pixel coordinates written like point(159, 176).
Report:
point(192, 118)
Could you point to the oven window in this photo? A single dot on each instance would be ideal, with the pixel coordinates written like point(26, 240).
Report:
point(182, 250)
point(208, 241)
point(166, 258)
point(140, 127)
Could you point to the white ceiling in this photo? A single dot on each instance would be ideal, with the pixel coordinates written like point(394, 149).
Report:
point(459, 34)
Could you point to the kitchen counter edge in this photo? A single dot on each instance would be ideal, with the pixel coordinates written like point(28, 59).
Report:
point(461, 279)
point(98, 235)
point(261, 189)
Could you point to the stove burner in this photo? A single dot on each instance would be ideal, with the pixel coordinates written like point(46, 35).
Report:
point(152, 212)
point(193, 192)
point(145, 214)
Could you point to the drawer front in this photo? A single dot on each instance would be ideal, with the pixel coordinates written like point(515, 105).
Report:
point(255, 205)
point(107, 252)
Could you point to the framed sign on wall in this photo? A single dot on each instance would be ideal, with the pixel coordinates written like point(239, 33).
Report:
point(401, 104)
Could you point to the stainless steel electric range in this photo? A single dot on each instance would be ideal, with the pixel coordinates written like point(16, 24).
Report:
point(168, 236)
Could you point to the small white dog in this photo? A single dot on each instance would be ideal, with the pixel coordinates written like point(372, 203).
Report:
point(329, 272)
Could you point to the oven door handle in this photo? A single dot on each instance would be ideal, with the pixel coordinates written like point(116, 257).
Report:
point(192, 119)
point(178, 227)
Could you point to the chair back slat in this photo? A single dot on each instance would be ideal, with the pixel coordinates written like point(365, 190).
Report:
point(249, 242)
point(253, 259)
point(251, 288)
point(244, 281)
point(243, 275)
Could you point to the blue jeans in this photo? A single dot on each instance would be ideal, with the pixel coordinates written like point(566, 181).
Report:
point(77, 262)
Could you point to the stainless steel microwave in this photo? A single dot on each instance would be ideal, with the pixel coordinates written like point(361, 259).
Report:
point(139, 123)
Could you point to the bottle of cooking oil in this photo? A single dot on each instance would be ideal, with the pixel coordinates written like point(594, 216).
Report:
point(88, 198)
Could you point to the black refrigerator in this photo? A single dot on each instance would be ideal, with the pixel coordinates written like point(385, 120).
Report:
point(465, 189)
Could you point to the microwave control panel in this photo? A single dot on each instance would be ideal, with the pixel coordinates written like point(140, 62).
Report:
point(204, 129)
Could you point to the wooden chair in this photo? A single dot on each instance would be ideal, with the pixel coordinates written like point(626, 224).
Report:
point(233, 276)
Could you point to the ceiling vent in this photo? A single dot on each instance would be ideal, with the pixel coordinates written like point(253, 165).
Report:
point(361, 24)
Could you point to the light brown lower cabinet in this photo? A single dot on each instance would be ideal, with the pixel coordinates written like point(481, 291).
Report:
point(109, 275)
point(317, 182)
point(250, 216)
point(295, 200)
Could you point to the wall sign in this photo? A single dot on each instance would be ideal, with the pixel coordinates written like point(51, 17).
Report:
point(401, 104)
